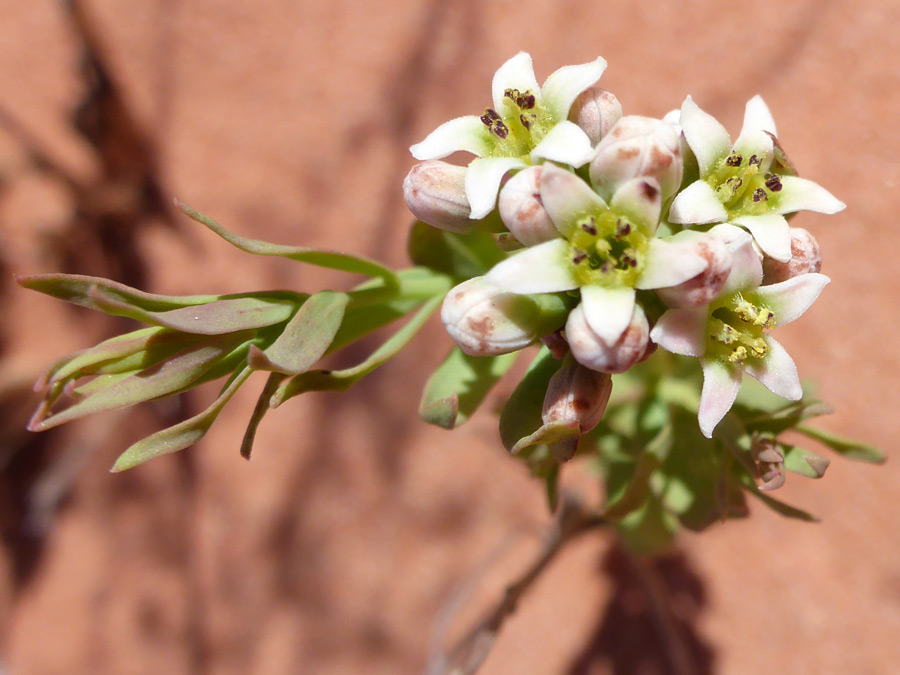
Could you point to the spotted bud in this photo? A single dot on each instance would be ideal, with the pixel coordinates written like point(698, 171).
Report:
point(805, 258)
point(590, 350)
point(435, 192)
point(703, 288)
point(638, 147)
point(595, 111)
point(577, 394)
point(522, 210)
point(486, 321)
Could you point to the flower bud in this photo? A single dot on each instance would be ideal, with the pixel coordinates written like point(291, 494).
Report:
point(591, 351)
point(577, 394)
point(703, 288)
point(435, 192)
point(638, 147)
point(522, 210)
point(805, 258)
point(595, 111)
point(486, 321)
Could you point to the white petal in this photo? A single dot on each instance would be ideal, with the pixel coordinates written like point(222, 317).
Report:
point(565, 143)
point(567, 198)
point(800, 194)
point(777, 372)
point(682, 331)
point(756, 118)
point(673, 117)
point(483, 182)
point(746, 267)
point(721, 383)
point(772, 233)
point(517, 73)
point(463, 133)
point(697, 204)
point(640, 199)
point(707, 137)
point(757, 143)
point(789, 299)
point(538, 269)
point(607, 310)
point(669, 264)
point(564, 85)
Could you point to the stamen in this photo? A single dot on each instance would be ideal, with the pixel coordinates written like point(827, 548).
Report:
point(759, 195)
point(512, 94)
point(734, 159)
point(754, 160)
point(738, 355)
point(735, 182)
point(490, 116)
point(579, 257)
point(590, 227)
point(629, 257)
point(623, 228)
point(774, 183)
point(500, 129)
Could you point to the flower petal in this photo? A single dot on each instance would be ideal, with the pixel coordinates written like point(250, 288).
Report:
point(467, 133)
point(608, 310)
point(682, 331)
point(669, 264)
point(697, 204)
point(789, 299)
point(565, 143)
point(483, 182)
point(517, 73)
point(777, 372)
point(746, 267)
point(757, 143)
point(721, 383)
point(756, 118)
point(705, 134)
point(640, 199)
point(539, 269)
point(565, 84)
point(800, 194)
point(567, 198)
point(772, 233)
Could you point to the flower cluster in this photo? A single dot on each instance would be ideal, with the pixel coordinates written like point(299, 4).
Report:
point(622, 233)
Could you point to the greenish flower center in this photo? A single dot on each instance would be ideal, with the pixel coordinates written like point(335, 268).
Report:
point(520, 124)
point(607, 250)
point(742, 188)
point(735, 330)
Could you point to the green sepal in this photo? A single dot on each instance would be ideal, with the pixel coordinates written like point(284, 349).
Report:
point(330, 259)
point(462, 256)
point(803, 462)
point(846, 447)
point(459, 385)
point(561, 436)
point(182, 435)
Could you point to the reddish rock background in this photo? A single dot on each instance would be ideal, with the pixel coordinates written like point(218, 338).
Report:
point(339, 546)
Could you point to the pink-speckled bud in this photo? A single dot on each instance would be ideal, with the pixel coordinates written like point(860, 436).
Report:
point(703, 288)
point(522, 211)
point(435, 192)
point(638, 147)
point(805, 258)
point(577, 394)
point(590, 350)
point(595, 111)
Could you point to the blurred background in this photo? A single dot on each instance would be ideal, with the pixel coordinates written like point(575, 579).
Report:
point(345, 545)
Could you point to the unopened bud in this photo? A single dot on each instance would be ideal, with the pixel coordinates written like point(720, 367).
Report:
point(638, 147)
point(703, 288)
point(486, 321)
point(577, 394)
point(769, 464)
point(522, 210)
point(595, 111)
point(805, 258)
point(590, 350)
point(435, 192)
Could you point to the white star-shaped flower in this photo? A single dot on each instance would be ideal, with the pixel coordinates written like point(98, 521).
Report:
point(526, 125)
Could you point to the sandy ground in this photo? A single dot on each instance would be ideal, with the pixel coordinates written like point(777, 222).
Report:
point(337, 548)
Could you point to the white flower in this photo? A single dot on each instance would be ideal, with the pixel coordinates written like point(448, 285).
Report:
point(736, 185)
point(526, 125)
point(604, 250)
point(729, 335)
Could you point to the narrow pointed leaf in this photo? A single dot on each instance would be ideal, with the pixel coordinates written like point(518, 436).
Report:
point(777, 506)
point(788, 416)
point(262, 407)
point(846, 447)
point(462, 256)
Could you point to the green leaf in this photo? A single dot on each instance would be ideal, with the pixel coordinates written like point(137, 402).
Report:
point(227, 315)
point(459, 385)
point(846, 447)
point(648, 530)
point(521, 415)
point(786, 417)
point(259, 411)
point(803, 462)
point(636, 484)
point(330, 259)
point(777, 506)
point(462, 256)
point(341, 380)
point(181, 435)
point(306, 337)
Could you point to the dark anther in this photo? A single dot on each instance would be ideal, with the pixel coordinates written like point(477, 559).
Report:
point(490, 116)
point(488, 122)
point(606, 267)
point(759, 195)
point(579, 257)
point(525, 121)
point(734, 159)
point(525, 101)
point(753, 160)
point(774, 183)
point(735, 182)
point(591, 227)
point(629, 258)
point(500, 129)
point(623, 229)
point(511, 93)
